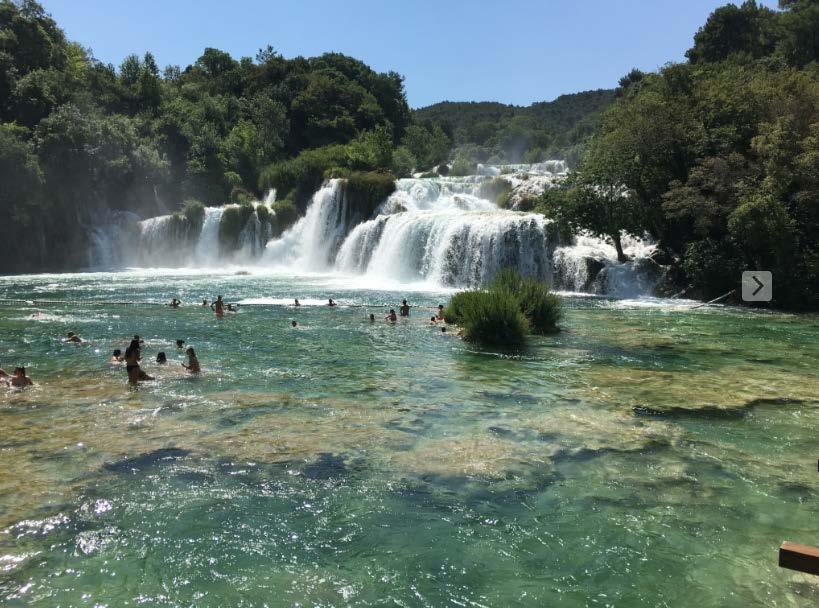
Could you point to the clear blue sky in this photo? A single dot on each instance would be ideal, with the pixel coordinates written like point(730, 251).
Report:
point(515, 52)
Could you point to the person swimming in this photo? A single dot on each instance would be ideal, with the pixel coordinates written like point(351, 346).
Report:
point(404, 308)
point(193, 363)
point(296, 302)
point(293, 324)
point(161, 359)
point(175, 303)
point(72, 337)
point(218, 306)
point(231, 308)
point(372, 318)
point(440, 312)
point(392, 318)
point(330, 302)
point(180, 344)
point(19, 379)
point(205, 303)
point(116, 357)
point(433, 320)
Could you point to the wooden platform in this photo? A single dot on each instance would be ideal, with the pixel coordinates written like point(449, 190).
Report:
point(799, 557)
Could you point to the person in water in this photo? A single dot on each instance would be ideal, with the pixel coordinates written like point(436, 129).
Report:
point(296, 302)
point(392, 318)
point(433, 320)
point(19, 379)
point(218, 306)
point(193, 363)
point(294, 324)
point(116, 357)
point(161, 359)
point(330, 302)
point(440, 312)
point(404, 308)
point(180, 343)
point(372, 318)
point(175, 303)
point(205, 303)
point(72, 337)
point(231, 308)
point(132, 357)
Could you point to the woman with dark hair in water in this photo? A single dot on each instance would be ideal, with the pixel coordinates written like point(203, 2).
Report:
point(161, 359)
point(132, 357)
point(392, 318)
point(116, 357)
point(19, 379)
point(193, 363)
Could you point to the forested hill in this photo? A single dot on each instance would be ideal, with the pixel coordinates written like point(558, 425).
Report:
point(543, 130)
point(80, 138)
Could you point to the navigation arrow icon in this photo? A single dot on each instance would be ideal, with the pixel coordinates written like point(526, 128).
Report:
point(757, 286)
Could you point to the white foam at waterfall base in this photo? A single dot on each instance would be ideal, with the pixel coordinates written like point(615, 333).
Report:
point(207, 246)
point(310, 244)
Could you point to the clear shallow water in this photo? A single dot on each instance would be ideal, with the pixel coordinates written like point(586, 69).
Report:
point(649, 455)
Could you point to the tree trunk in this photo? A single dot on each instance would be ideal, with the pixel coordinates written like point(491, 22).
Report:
point(621, 257)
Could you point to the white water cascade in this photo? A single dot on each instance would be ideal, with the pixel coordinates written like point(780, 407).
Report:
point(441, 231)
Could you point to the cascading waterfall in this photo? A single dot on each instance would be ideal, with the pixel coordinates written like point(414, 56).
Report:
point(441, 231)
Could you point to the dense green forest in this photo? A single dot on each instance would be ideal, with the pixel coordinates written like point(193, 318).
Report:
point(716, 158)
point(79, 137)
point(498, 133)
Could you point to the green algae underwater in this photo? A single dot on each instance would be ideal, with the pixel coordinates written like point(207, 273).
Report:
point(650, 454)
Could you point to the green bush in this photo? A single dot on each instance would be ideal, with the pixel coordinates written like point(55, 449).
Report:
point(403, 162)
point(234, 219)
point(462, 165)
point(428, 175)
point(302, 176)
point(458, 303)
point(194, 212)
point(539, 305)
point(507, 279)
point(263, 213)
point(493, 318)
point(285, 215)
point(366, 191)
point(495, 189)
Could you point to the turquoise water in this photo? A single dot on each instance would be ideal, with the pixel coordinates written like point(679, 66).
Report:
point(648, 455)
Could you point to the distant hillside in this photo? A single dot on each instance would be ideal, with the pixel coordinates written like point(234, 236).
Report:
point(499, 132)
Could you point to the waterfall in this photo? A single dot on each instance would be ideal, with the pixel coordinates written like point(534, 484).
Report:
point(310, 244)
point(206, 251)
point(441, 231)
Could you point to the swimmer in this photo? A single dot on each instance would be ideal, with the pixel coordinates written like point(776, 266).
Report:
point(296, 302)
point(372, 318)
point(161, 359)
point(433, 320)
point(330, 302)
point(72, 337)
point(392, 318)
point(132, 357)
point(293, 324)
point(116, 357)
point(440, 312)
point(180, 344)
point(193, 363)
point(231, 308)
point(19, 379)
point(404, 308)
point(205, 303)
point(175, 303)
point(218, 306)
point(443, 330)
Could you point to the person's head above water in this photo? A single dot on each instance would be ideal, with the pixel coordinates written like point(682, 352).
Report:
point(180, 343)
point(443, 330)
point(70, 334)
point(293, 324)
point(432, 319)
point(404, 302)
point(161, 358)
point(440, 306)
point(372, 317)
point(117, 353)
point(190, 352)
point(138, 339)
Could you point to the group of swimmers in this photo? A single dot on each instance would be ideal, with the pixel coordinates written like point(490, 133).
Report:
point(133, 357)
point(219, 306)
